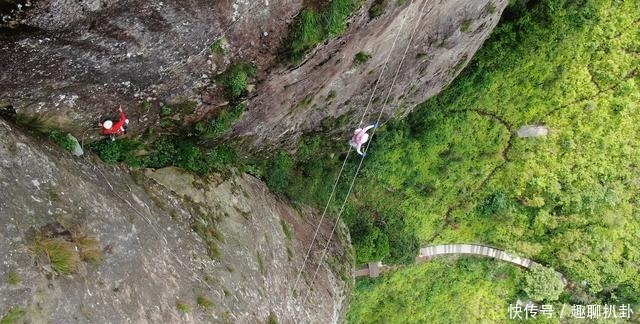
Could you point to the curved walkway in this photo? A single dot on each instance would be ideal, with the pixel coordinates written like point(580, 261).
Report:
point(473, 249)
point(429, 252)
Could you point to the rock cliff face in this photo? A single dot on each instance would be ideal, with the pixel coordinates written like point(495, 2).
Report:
point(73, 62)
point(168, 238)
point(426, 45)
point(154, 266)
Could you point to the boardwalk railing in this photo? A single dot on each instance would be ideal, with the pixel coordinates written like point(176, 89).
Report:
point(429, 252)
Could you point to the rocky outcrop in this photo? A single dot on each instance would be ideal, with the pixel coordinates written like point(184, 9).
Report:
point(435, 41)
point(153, 262)
point(73, 62)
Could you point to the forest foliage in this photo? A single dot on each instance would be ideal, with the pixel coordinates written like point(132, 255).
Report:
point(568, 200)
point(455, 172)
point(442, 291)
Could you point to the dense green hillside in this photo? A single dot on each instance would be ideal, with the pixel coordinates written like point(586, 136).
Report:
point(459, 173)
point(455, 171)
point(443, 291)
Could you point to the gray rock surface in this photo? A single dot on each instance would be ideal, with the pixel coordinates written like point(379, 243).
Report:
point(77, 148)
point(444, 36)
point(73, 62)
point(152, 258)
point(533, 131)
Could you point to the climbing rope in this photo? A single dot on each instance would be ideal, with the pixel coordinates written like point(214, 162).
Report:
point(344, 202)
point(140, 214)
point(153, 227)
point(136, 211)
point(344, 162)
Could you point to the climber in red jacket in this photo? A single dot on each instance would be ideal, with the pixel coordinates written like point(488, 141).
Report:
point(112, 129)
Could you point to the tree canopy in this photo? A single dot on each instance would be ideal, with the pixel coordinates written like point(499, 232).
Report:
point(542, 284)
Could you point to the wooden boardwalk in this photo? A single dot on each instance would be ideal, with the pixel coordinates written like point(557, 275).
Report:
point(472, 249)
point(428, 252)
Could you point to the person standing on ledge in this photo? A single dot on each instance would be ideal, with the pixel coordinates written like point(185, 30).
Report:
point(111, 129)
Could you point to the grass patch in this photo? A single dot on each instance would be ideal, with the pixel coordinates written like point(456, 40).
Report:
point(260, 263)
point(312, 26)
point(331, 95)
point(491, 8)
point(35, 124)
point(62, 255)
point(466, 25)
point(66, 252)
point(377, 8)
point(286, 229)
point(90, 250)
point(63, 139)
point(289, 253)
point(204, 302)
point(217, 126)
point(272, 318)
point(121, 150)
point(361, 58)
point(13, 278)
point(15, 315)
point(204, 225)
point(166, 150)
point(183, 307)
point(41, 128)
point(279, 172)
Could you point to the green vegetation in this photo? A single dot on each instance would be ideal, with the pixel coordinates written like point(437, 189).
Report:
point(361, 58)
point(312, 27)
point(260, 259)
point(204, 302)
point(278, 175)
point(163, 151)
point(454, 171)
point(236, 78)
point(286, 229)
point(213, 128)
point(542, 283)
point(166, 111)
point(13, 278)
point(192, 146)
point(217, 47)
point(204, 225)
point(63, 139)
point(440, 291)
point(89, 248)
point(466, 25)
point(289, 253)
point(183, 307)
point(65, 253)
point(62, 255)
point(13, 316)
point(377, 8)
point(272, 319)
point(40, 127)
